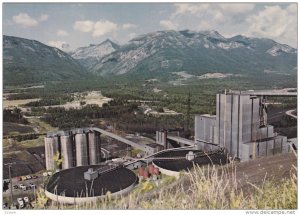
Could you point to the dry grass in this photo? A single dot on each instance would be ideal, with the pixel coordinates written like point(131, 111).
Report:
point(89, 98)
point(32, 143)
point(41, 126)
point(17, 103)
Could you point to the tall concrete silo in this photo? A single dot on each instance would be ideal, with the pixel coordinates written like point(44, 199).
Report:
point(66, 151)
point(94, 147)
point(51, 147)
point(81, 149)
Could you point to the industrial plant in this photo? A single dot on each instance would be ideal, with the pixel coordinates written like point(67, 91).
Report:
point(239, 131)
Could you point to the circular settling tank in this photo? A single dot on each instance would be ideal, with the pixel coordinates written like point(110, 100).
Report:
point(172, 162)
point(69, 186)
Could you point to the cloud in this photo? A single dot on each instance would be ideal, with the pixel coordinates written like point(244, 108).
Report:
point(236, 8)
point(218, 16)
point(205, 25)
point(132, 35)
point(62, 45)
point(292, 8)
point(56, 43)
point(274, 22)
point(168, 24)
point(84, 26)
point(62, 33)
point(25, 20)
point(198, 8)
point(103, 27)
point(43, 17)
point(191, 8)
point(198, 16)
point(98, 28)
point(128, 26)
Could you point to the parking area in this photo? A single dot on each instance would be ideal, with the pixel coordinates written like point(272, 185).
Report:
point(24, 190)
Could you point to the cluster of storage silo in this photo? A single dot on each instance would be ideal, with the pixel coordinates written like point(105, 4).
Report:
point(73, 148)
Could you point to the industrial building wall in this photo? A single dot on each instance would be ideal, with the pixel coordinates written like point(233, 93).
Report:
point(227, 122)
point(220, 103)
point(240, 127)
point(285, 145)
point(81, 150)
point(66, 151)
point(262, 148)
point(205, 128)
point(235, 130)
point(268, 147)
point(217, 134)
point(198, 127)
point(51, 147)
point(265, 132)
point(255, 118)
point(94, 148)
point(245, 151)
point(246, 119)
point(237, 121)
point(161, 139)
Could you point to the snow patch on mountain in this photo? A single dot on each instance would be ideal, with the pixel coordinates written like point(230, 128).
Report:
point(230, 45)
point(94, 51)
point(58, 52)
point(278, 49)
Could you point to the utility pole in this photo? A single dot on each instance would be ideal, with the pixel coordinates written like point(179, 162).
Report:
point(188, 113)
point(10, 181)
point(34, 194)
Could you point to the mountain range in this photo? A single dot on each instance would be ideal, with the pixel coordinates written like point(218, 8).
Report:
point(29, 61)
point(197, 53)
point(161, 52)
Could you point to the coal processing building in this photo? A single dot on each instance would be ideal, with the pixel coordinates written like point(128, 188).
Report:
point(240, 127)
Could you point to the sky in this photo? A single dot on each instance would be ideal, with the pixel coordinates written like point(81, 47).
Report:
point(80, 24)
